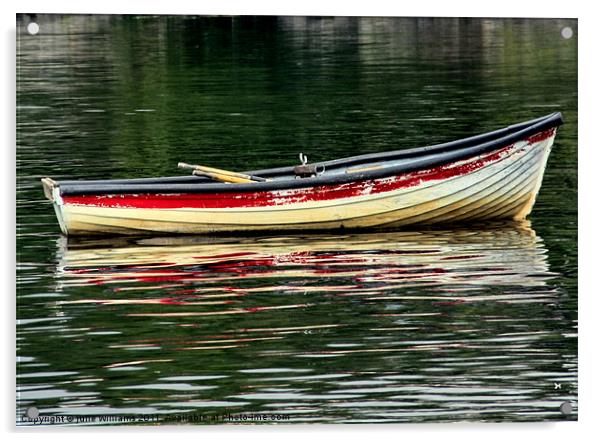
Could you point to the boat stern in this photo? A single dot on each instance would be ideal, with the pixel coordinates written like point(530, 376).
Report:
point(53, 194)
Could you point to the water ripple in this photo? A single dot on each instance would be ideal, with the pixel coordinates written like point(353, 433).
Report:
point(469, 324)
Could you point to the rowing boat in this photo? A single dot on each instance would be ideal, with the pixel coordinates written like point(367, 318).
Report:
point(495, 175)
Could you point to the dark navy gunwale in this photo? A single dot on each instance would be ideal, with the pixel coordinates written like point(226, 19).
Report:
point(447, 153)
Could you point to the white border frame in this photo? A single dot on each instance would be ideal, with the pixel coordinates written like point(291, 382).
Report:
point(589, 243)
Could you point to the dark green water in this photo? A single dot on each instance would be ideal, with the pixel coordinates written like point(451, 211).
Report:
point(471, 324)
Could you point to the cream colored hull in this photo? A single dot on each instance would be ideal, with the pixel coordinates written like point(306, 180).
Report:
point(503, 189)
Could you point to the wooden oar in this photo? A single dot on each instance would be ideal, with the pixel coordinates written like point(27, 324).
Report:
point(221, 175)
point(363, 169)
point(222, 178)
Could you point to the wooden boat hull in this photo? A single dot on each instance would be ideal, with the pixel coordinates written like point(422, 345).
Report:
point(500, 183)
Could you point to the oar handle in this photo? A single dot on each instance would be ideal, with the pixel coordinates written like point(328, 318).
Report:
point(219, 171)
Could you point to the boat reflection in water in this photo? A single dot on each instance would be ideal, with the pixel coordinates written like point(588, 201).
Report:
point(457, 261)
point(433, 325)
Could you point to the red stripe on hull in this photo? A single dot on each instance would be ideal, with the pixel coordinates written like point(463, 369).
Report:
point(286, 197)
point(541, 136)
